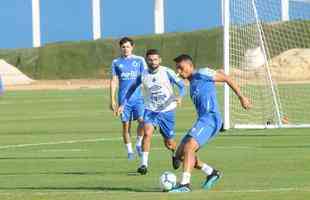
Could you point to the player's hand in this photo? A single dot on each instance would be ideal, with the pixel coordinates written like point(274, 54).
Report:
point(113, 107)
point(120, 110)
point(245, 102)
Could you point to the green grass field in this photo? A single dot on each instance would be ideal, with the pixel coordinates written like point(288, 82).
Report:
point(66, 145)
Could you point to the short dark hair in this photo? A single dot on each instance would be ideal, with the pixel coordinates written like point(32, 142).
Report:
point(126, 39)
point(152, 52)
point(183, 57)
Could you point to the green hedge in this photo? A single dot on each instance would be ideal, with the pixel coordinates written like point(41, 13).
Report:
point(92, 59)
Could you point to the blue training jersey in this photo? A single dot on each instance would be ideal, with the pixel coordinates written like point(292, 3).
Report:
point(203, 92)
point(127, 70)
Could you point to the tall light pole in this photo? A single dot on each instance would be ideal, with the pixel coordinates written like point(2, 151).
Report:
point(36, 30)
point(285, 16)
point(96, 19)
point(159, 17)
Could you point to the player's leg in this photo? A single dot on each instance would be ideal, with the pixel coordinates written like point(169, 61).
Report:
point(127, 140)
point(126, 117)
point(138, 112)
point(178, 157)
point(146, 147)
point(170, 144)
point(190, 147)
point(166, 123)
point(149, 124)
point(200, 133)
point(212, 174)
point(140, 134)
point(186, 153)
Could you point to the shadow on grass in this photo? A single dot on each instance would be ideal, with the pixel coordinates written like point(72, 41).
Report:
point(64, 158)
point(286, 147)
point(261, 135)
point(68, 173)
point(107, 189)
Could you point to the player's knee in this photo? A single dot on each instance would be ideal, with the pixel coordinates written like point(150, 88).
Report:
point(170, 144)
point(191, 145)
point(147, 135)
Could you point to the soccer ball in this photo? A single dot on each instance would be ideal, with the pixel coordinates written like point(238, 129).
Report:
point(167, 181)
point(254, 58)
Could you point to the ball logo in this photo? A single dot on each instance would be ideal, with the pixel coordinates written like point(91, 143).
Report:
point(135, 63)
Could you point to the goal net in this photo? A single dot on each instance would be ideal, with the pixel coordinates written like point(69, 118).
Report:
point(269, 57)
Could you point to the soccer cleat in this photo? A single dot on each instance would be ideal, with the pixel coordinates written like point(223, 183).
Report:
point(181, 188)
point(131, 156)
point(212, 179)
point(139, 150)
point(175, 162)
point(142, 170)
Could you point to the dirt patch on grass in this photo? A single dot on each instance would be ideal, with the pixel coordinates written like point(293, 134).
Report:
point(62, 84)
point(292, 66)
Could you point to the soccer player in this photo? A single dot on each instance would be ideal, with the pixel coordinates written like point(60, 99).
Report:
point(160, 103)
point(125, 70)
point(209, 122)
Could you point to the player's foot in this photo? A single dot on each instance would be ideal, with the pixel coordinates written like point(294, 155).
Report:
point(175, 162)
point(182, 188)
point(131, 156)
point(139, 150)
point(142, 170)
point(212, 179)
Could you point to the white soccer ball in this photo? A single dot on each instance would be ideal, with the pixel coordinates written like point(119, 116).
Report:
point(254, 58)
point(167, 181)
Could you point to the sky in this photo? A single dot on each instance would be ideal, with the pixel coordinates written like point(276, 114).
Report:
point(70, 20)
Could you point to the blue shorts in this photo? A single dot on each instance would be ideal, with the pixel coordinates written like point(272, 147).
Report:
point(204, 129)
point(165, 121)
point(133, 111)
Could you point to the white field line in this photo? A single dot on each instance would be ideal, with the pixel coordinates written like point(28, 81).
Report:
point(59, 142)
point(12, 146)
point(36, 101)
point(267, 190)
point(63, 150)
point(26, 118)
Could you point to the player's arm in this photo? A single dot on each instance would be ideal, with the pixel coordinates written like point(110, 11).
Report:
point(113, 86)
point(179, 83)
point(129, 93)
point(220, 76)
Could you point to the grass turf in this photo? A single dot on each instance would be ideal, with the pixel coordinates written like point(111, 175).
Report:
point(67, 145)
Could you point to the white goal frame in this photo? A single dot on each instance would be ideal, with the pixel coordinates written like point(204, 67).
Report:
point(226, 56)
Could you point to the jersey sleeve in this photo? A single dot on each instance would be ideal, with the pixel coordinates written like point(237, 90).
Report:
point(113, 72)
point(207, 73)
point(177, 81)
point(143, 65)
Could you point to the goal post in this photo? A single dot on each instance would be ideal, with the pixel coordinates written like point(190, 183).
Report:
point(267, 52)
